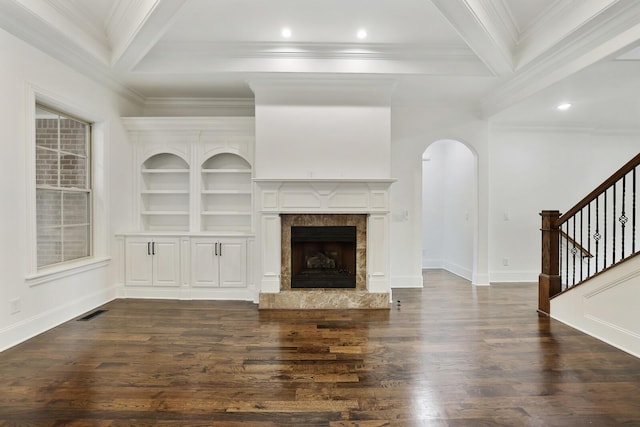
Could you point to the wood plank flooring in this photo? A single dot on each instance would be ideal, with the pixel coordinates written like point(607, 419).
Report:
point(449, 355)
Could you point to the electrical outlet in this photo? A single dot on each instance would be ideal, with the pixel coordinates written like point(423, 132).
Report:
point(15, 306)
point(505, 262)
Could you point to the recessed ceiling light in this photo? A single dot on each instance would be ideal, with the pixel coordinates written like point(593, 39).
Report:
point(563, 107)
point(362, 33)
point(286, 32)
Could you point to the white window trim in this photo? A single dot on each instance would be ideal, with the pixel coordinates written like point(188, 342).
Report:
point(100, 225)
point(65, 269)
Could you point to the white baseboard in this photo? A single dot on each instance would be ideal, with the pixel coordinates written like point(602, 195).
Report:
point(522, 276)
point(30, 327)
point(406, 282)
point(431, 264)
point(458, 270)
point(188, 293)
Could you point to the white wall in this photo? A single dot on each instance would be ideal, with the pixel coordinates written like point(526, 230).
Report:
point(449, 207)
point(433, 171)
point(23, 72)
point(413, 130)
point(322, 129)
point(537, 169)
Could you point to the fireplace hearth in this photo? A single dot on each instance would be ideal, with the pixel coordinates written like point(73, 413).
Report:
point(323, 257)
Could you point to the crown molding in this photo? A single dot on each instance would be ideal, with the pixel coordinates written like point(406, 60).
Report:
point(200, 106)
point(189, 124)
point(189, 58)
point(565, 127)
point(308, 50)
point(543, 127)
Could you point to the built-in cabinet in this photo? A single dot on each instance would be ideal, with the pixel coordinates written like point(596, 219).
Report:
point(193, 208)
point(152, 261)
point(218, 262)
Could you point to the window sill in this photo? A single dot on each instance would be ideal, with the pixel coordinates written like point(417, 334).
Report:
point(61, 271)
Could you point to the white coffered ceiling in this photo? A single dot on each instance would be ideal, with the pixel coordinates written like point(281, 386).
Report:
point(512, 60)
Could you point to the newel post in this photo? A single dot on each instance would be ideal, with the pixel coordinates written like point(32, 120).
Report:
point(549, 279)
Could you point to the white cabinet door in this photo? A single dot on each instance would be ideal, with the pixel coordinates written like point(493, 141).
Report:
point(138, 264)
point(232, 255)
point(166, 261)
point(219, 262)
point(152, 261)
point(204, 262)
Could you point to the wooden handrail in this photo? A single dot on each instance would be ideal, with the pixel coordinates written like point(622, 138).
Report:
point(628, 167)
point(577, 245)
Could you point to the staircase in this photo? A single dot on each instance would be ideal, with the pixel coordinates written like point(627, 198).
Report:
point(590, 275)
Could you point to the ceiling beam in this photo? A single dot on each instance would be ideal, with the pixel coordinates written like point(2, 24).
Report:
point(556, 23)
point(136, 26)
point(602, 37)
point(484, 30)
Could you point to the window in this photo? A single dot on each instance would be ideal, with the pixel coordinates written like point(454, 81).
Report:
point(63, 187)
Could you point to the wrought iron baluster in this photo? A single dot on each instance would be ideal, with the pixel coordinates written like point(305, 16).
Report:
point(604, 240)
point(567, 254)
point(597, 236)
point(574, 250)
point(589, 238)
point(581, 245)
point(560, 257)
point(633, 222)
point(613, 220)
point(623, 217)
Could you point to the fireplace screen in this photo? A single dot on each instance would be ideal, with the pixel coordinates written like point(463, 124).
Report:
point(323, 257)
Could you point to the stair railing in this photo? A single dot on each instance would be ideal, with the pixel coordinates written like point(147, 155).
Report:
point(599, 232)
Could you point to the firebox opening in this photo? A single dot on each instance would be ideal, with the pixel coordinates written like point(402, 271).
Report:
point(323, 257)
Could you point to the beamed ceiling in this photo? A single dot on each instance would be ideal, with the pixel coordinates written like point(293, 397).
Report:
point(511, 60)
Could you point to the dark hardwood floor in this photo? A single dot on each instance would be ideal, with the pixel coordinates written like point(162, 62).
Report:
point(449, 355)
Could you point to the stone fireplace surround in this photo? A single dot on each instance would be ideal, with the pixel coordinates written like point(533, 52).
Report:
point(357, 220)
point(282, 203)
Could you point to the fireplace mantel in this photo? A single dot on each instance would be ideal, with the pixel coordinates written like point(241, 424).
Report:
point(323, 196)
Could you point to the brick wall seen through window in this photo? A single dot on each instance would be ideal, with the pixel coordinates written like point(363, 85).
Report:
point(63, 192)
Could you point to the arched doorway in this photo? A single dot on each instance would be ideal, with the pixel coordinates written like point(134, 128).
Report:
point(449, 208)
